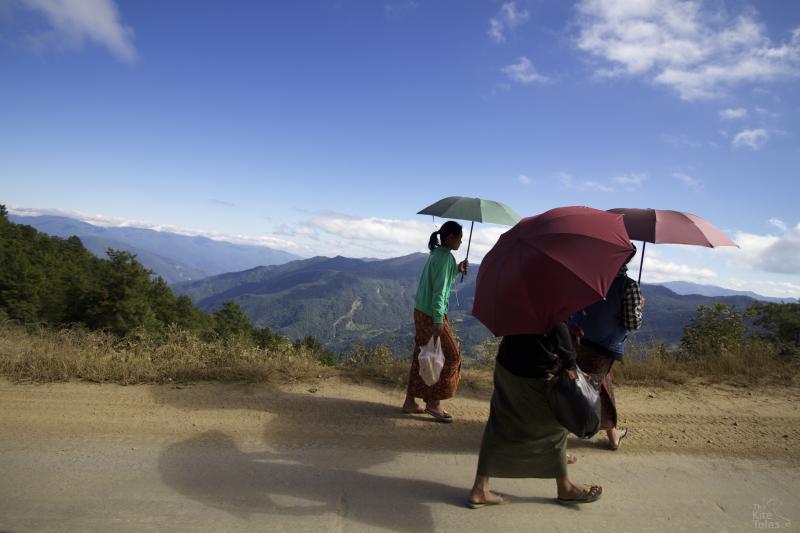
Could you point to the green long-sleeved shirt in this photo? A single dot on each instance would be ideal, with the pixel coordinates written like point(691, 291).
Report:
point(433, 292)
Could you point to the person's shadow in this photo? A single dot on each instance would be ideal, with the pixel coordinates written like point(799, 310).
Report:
point(320, 449)
point(211, 468)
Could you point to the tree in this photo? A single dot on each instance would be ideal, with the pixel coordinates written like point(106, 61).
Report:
point(3, 211)
point(230, 321)
point(714, 331)
point(780, 324)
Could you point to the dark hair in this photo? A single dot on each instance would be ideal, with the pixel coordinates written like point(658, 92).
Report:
point(447, 229)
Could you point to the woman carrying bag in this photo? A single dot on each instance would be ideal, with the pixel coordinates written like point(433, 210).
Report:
point(430, 320)
point(523, 438)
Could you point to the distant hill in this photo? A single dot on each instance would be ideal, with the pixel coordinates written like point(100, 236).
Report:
point(172, 256)
point(686, 287)
point(341, 301)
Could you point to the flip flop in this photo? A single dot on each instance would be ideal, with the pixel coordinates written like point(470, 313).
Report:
point(622, 433)
point(446, 418)
point(499, 499)
point(593, 494)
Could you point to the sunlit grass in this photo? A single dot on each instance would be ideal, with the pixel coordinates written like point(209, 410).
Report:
point(40, 354)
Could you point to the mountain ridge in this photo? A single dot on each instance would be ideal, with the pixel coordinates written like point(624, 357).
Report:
point(313, 297)
point(172, 256)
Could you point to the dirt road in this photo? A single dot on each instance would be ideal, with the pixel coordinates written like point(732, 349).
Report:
point(336, 456)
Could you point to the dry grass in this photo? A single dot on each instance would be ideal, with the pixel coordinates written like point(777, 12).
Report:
point(47, 355)
point(753, 362)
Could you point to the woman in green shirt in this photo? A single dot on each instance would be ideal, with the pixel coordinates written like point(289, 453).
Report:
point(430, 319)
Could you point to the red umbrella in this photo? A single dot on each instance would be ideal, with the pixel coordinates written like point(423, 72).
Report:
point(674, 227)
point(548, 267)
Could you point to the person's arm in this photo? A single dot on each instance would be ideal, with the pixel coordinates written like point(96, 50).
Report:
point(440, 288)
point(562, 344)
point(632, 303)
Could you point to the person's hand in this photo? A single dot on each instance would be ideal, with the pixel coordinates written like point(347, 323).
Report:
point(462, 266)
point(438, 329)
point(576, 331)
point(642, 305)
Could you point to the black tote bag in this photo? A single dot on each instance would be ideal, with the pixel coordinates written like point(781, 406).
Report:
point(575, 402)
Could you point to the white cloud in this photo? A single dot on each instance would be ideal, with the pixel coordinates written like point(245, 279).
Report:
point(778, 223)
point(117, 222)
point(681, 141)
point(753, 139)
point(524, 72)
point(657, 270)
point(777, 289)
point(506, 21)
point(397, 10)
point(693, 50)
point(72, 22)
point(393, 237)
point(596, 186)
point(523, 179)
point(630, 181)
point(689, 181)
point(733, 113)
point(769, 253)
point(569, 182)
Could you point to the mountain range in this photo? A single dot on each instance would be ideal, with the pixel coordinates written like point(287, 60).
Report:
point(343, 301)
point(340, 301)
point(686, 287)
point(172, 256)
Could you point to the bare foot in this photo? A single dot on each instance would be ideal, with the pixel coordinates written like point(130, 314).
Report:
point(413, 409)
point(571, 458)
point(580, 493)
point(615, 436)
point(482, 499)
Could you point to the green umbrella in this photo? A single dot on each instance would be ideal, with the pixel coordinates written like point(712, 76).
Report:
point(474, 210)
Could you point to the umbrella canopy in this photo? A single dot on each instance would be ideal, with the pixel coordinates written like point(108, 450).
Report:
point(662, 226)
point(474, 209)
point(548, 267)
point(675, 227)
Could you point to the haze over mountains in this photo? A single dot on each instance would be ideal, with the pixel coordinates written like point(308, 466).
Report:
point(172, 256)
point(340, 301)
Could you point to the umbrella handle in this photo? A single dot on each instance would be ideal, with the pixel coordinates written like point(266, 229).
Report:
point(641, 262)
point(468, 243)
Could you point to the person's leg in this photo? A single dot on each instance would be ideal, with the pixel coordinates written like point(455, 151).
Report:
point(410, 404)
point(481, 495)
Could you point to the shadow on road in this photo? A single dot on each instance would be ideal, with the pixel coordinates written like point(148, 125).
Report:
point(211, 468)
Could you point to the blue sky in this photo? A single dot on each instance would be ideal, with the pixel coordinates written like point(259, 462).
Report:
point(323, 127)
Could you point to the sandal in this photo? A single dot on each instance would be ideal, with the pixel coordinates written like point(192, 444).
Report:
point(444, 416)
point(588, 495)
point(498, 499)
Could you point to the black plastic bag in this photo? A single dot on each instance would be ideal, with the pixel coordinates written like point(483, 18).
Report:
point(575, 402)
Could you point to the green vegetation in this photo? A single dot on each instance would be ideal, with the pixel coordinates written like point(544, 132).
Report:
point(65, 314)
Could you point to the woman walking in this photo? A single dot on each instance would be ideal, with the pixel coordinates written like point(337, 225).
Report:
point(602, 329)
point(522, 438)
point(430, 320)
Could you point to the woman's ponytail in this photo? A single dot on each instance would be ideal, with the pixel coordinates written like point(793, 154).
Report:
point(439, 236)
point(433, 242)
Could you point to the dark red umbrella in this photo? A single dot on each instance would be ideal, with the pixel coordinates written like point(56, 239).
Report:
point(661, 226)
point(548, 267)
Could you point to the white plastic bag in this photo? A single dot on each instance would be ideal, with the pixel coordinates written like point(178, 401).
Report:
point(431, 361)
